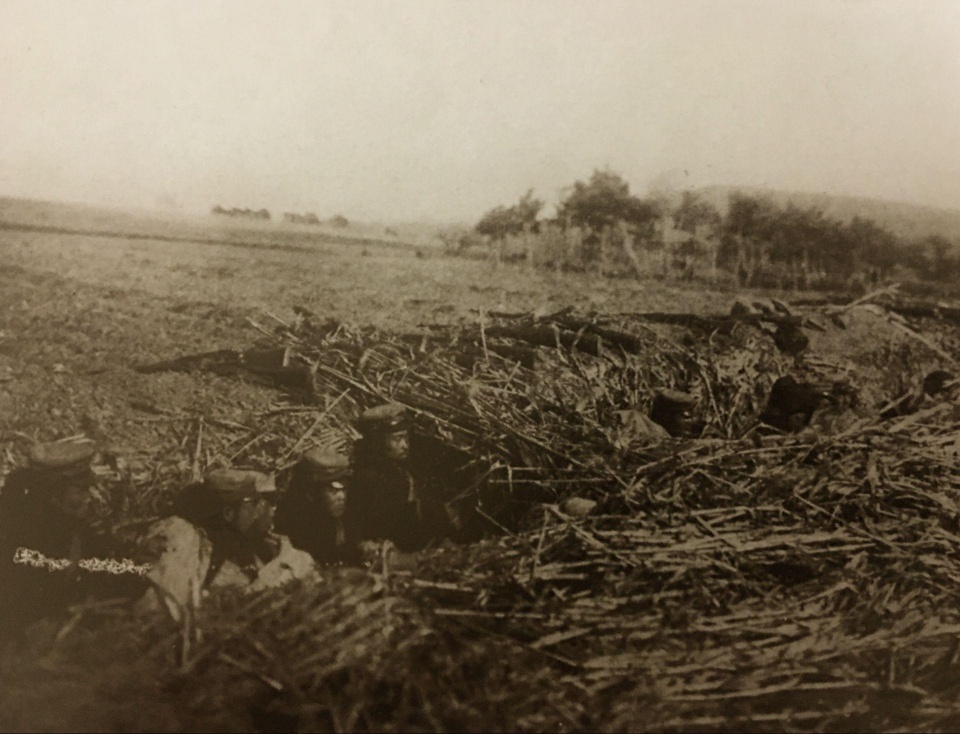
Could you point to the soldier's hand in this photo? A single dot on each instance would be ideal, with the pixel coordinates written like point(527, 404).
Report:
point(275, 542)
point(453, 515)
point(369, 551)
point(377, 555)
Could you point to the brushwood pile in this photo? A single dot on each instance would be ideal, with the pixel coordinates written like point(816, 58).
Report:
point(750, 577)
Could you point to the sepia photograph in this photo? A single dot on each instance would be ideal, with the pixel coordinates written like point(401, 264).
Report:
point(506, 365)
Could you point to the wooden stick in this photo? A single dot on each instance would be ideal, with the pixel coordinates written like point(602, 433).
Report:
point(310, 430)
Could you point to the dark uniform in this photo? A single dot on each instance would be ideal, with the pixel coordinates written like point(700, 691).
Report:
point(388, 502)
point(792, 404)
point(46, 531)
point(673, 410)
point(456, 480)
point(316, 512)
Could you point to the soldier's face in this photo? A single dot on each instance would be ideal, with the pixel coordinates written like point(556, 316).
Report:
point(685, 423)
point(253, 517)
point(397, 445)
point(335, 497)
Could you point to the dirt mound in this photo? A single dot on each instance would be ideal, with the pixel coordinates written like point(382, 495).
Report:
point(878, 351)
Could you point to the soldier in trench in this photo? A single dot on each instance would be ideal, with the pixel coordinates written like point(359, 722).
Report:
point(52, 545)
point(673, 411)
point(316, 512)
point(392, 503)
point(222, 537)
point(794, 405)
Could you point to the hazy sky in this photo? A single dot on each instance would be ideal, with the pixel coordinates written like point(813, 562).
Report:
point(440, 110)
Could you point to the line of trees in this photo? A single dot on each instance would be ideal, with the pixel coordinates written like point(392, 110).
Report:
point(245, 213)
point(337, 220)
point(308, 218)
point(801, 246)
point(600, 225)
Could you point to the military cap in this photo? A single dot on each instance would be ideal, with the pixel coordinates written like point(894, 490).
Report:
point(329, 464)
point(677, 398)
point(62, 457)
point(671, 409)
point(935, 382)
point(790, 339)
point(741, 308)
point(388, 418)
point(235, 485)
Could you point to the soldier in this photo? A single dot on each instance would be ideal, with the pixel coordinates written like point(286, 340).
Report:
point(283, 368)
point(389, 503)
point(673, 410)
point(791, 403)
point(273, 366)
point(48, 537)
point(230, 542)
point(935, 383)
point(827, 407)
point(315, 512)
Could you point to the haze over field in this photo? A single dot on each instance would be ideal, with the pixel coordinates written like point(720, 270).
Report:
point(428, 110)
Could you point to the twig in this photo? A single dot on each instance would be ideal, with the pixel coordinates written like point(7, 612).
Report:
point(290, 452)
point(195, 472)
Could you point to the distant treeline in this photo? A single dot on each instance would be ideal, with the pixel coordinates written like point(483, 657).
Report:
point(803, 248)
point(599, 225)
point(245, 213)
point(294, 218)
point(338, 220)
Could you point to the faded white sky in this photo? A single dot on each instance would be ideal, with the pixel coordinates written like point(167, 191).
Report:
point(404, 110)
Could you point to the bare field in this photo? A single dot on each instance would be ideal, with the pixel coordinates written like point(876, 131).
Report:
point(81, 311)
point(100, 306)
point(362, 284)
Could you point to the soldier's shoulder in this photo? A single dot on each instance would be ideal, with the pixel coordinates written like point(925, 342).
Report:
point(173, 526)
point(283, 544)
point(289, 564)
point(16, 487)
point(171, 534)
point(229, 575)
point(288, 553)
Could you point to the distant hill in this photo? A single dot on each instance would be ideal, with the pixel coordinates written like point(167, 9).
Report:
point(910, 221)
